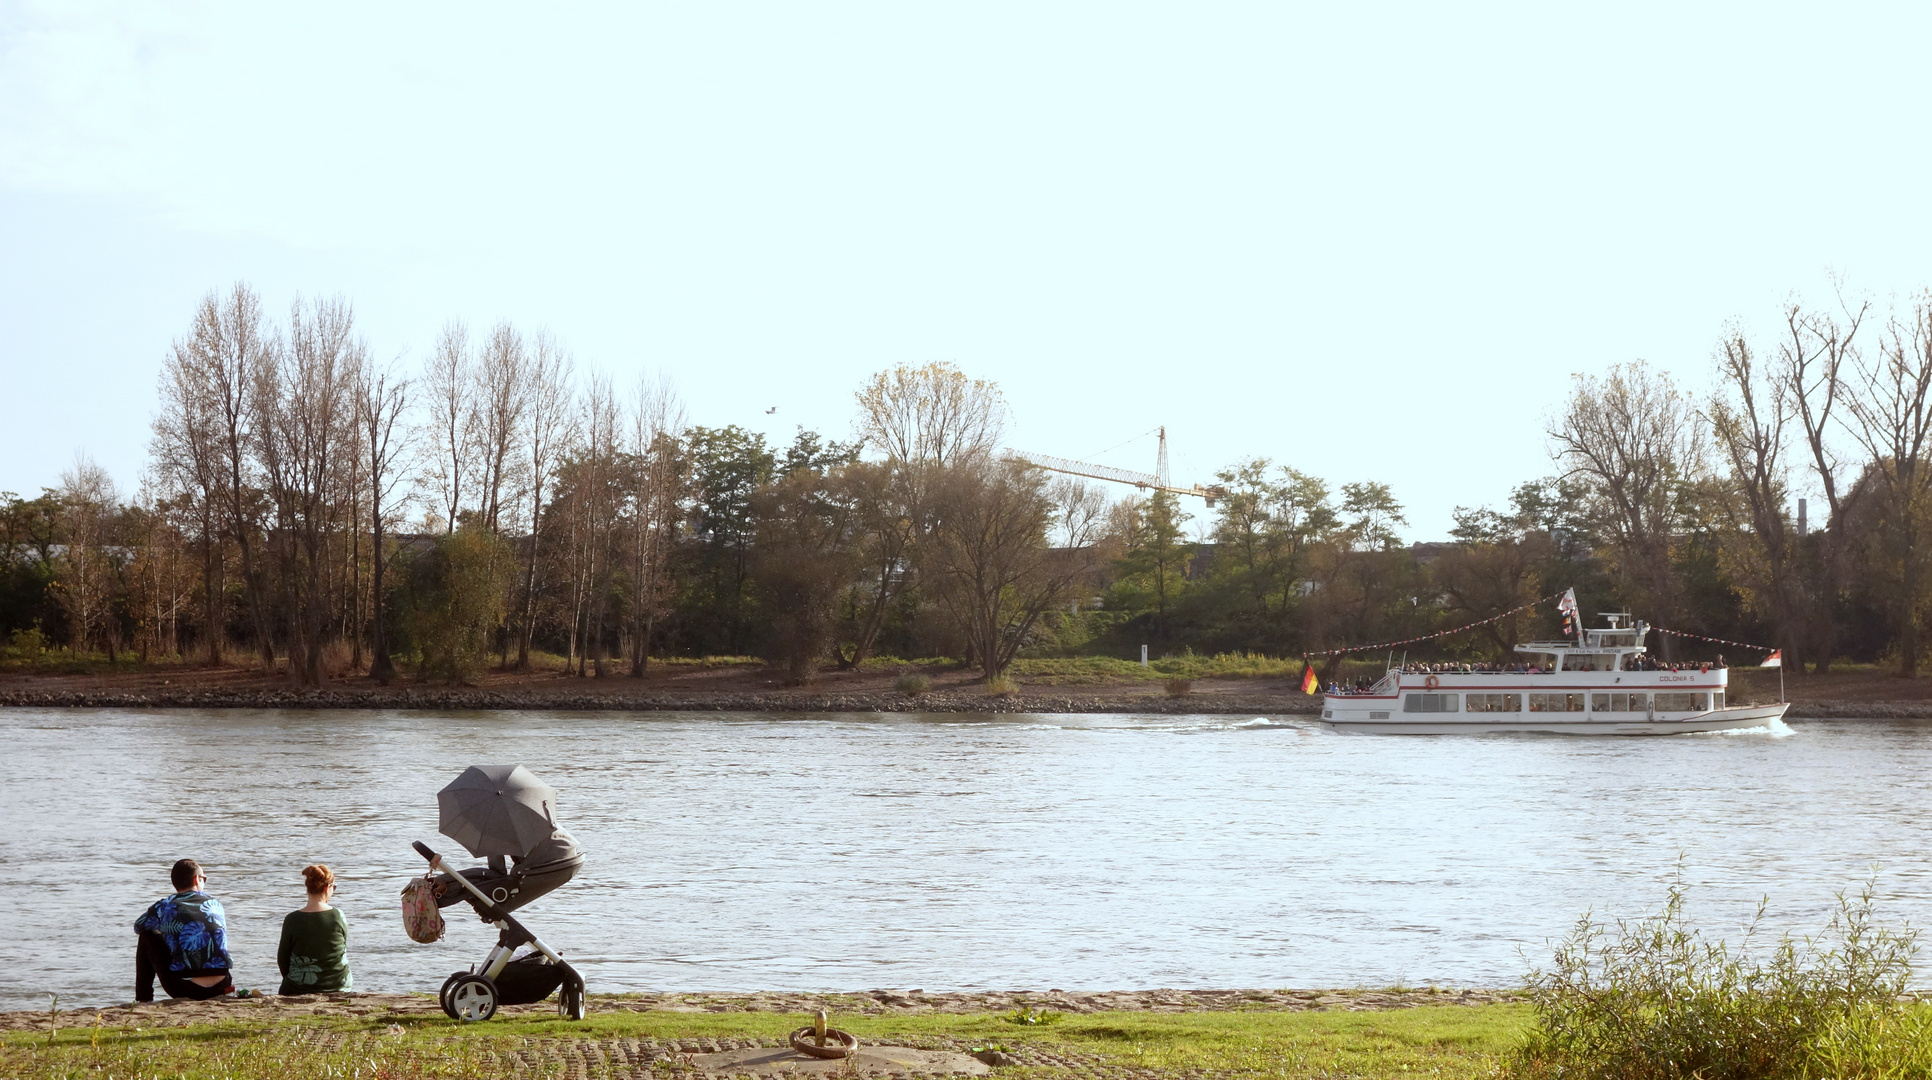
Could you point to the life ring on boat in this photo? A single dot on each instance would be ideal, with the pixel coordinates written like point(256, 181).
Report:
point(1431, 682)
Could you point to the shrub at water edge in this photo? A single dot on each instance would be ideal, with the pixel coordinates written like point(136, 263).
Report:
point(1654, 998)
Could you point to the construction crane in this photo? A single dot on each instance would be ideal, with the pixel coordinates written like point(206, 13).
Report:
point(1158, 480)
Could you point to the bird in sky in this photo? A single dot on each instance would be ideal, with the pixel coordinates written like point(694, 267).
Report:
point(771, 410)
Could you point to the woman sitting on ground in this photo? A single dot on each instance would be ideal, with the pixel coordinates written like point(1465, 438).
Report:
point(314, 953)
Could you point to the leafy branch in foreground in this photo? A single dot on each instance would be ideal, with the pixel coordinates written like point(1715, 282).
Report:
point(1656, 998)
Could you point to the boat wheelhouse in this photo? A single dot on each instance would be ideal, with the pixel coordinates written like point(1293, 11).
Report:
point(1602, 683)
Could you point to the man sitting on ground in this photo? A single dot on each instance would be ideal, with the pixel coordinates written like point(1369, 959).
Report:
point(183, 941)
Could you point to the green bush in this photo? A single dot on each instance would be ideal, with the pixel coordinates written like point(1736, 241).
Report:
point(1001, 686)
point(1654, 998)
point(452, 601)
point(27, 644)
point(912, 684)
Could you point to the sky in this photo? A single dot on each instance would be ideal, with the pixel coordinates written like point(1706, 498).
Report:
point(1374, 242)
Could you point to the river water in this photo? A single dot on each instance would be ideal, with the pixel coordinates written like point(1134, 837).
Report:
point(852, 852)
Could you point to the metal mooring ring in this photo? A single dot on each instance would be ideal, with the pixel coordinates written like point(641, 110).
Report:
point(838, 1043)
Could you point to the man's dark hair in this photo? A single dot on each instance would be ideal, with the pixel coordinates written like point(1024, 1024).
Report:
point(184, 874)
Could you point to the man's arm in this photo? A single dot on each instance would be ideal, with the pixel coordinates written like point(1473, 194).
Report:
point(217, 934)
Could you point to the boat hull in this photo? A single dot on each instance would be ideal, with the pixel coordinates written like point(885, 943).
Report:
point(1737, 718)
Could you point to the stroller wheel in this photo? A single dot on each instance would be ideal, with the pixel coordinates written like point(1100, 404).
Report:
point(570, 998)
point(471, 998)
point(442, 996)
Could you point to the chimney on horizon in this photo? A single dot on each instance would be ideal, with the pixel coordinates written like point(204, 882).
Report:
point(1801, 519)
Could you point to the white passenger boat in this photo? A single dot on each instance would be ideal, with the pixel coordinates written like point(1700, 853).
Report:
point(1597, 685)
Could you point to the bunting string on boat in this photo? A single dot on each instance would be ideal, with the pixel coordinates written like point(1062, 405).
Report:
point(1716, 640)
point(1438, 634)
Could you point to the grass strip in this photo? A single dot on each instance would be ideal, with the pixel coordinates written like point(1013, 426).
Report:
point(1442, 1041)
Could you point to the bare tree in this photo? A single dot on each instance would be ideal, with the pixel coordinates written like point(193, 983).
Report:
point(188, 459)
point(501, 394)
point(450, 440)
point(87, 569)
point(1635, 439)
point(598, 504)
point(1749, 417)
point(989, 556)
point(228, 337)
point(884, 533)
point(1811, 373)
point(547, 431)
point(381, 407)
point(931, 415)
point(306, 409)
point(1892, 420)
point(657, 489)
point(922, 420)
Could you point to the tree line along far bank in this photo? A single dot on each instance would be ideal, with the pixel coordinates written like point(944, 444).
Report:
point(311, 510)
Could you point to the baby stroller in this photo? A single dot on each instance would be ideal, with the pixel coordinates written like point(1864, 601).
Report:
point(499, 812)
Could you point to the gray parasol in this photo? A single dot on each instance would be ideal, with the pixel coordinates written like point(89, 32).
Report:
point(497, 810)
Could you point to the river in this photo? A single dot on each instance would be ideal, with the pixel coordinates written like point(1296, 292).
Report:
point(851, 852)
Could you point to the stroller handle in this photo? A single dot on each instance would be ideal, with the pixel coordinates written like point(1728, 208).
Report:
point(423, 850)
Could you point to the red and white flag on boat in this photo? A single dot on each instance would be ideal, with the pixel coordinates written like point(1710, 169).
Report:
point(1776, 659)
point(1567, 608)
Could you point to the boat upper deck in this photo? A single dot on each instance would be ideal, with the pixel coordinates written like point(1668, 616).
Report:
point(1598, 659)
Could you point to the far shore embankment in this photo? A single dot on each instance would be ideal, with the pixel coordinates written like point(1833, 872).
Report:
point(801, 701)
point(742, 685)
point(445, 699)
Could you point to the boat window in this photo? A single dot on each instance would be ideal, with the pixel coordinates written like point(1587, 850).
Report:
point(1494, 703)
point(1590, 662)
point(1556, 703)
point(1429, 702)
point(1683, 702)
point(1717, 700)
point(1619, 702)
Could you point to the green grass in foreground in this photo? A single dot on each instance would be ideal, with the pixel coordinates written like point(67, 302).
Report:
point(1448, 1041)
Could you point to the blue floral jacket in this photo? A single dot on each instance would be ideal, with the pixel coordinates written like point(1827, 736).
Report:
point(195, 929)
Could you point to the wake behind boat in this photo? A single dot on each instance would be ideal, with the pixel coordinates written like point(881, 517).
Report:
point(1601, 684)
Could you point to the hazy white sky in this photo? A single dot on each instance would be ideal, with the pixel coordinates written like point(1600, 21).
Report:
point(1373, 241)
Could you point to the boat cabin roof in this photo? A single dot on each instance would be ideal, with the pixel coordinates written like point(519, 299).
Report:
point(1622, 635)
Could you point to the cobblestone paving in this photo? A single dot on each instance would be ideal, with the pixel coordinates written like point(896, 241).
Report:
point(596, 1059)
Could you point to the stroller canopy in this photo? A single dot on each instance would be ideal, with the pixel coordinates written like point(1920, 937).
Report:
point(497, 810)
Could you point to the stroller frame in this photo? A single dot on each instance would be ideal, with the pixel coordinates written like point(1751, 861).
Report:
point(472, 995)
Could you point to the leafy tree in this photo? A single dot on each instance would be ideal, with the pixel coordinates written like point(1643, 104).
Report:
point(28, 533)
point(727, 467)
point(453, 599)
point(1372, 514)
point(1154, 563)
point(805, 556)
